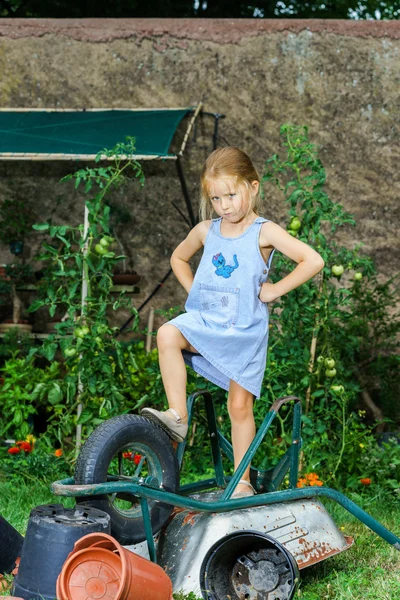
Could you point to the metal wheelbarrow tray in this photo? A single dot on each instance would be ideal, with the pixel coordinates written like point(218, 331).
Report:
point(294, 517)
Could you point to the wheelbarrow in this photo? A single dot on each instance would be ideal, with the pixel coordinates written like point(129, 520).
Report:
point(251, 547)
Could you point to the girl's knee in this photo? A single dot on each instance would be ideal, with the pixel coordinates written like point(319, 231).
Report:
point(168, 336)
point(240, 407)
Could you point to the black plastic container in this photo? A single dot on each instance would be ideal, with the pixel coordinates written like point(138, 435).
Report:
point(10, 546)
point(51, 534)
point(243, 562)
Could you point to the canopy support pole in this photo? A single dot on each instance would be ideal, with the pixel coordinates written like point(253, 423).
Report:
point(185, 192)
point(78, 433)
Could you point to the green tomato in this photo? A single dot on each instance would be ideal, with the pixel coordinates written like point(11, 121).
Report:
point(330, 373)
point(292, 232)
point(329, 363)
point(70, 352)
point(81, 332)
point(295, 223)
point(104, 242)
point(358, 276)
point(102, 328)
point(100, 249)
point(337, 270)
point(320, 360)
point(337, 388)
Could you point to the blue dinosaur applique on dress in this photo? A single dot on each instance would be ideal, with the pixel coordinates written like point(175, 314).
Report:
point(224, 270)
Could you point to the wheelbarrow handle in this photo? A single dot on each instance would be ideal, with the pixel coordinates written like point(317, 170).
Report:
point(281, 401)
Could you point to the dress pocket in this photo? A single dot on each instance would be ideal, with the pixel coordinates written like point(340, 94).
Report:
point(219, 305)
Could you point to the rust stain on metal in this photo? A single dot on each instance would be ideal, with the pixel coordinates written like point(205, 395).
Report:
point(184, 544)
point(315, 552)
point(190, 518)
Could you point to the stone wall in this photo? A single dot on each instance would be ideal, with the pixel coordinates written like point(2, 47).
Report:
point(341, 78)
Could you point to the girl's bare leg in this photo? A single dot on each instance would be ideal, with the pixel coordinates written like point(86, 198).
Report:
point(170, 344)
point(240, 409)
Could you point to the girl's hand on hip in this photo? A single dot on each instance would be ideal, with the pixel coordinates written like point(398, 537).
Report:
point(268, 292)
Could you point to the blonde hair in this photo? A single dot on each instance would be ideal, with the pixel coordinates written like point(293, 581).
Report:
point(228, 162)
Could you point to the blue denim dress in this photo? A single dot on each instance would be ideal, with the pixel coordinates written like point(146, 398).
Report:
point(225, 320)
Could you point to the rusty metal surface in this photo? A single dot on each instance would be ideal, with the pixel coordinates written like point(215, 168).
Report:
point(304, 527)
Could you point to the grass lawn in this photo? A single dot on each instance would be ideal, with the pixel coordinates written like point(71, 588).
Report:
point(369, 570)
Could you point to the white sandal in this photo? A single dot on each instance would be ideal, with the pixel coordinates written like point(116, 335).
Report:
point(250, 492)
point(172, 425)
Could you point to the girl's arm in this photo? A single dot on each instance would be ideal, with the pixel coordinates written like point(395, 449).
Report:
point(184, 252)
point(309, 261)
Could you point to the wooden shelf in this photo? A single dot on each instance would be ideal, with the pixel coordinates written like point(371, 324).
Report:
point(35, 336)
point(116, 289)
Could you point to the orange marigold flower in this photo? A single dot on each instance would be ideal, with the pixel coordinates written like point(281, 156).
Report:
point(25, 446)
point(127, 454)
point(309, 479)
point(14, 450)
point(366, 481)
point(137, 458)
point(58, 452)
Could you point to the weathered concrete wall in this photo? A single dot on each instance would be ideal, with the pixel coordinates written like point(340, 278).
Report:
point(341, 78)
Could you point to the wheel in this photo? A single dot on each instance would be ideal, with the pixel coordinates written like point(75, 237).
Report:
point(128, 446)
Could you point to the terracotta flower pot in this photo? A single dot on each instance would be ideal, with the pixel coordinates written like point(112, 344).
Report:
point(99, 567)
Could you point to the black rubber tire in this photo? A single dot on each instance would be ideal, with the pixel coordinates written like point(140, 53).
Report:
point(106, 441)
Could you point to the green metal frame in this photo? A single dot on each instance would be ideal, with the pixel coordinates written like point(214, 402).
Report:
point(266, 482)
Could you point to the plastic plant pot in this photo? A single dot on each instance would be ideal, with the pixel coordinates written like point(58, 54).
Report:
point(50, 537)
point(99, 567)
point(248, 564)
point(10, 546)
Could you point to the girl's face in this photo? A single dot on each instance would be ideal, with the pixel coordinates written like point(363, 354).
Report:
point(230, 200)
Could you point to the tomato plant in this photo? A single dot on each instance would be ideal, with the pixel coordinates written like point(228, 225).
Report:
point(96, 362)
point(322, 331)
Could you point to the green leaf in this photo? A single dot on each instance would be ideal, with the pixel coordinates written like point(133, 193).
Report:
point(318, 394)
point(49, 349)
point(36, 304)
point(55, 394)
point(85, 416)
point(41, 226)
point(37, 390)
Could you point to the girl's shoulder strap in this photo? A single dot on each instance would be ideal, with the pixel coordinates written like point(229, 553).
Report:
point(214, 225)
point(261, 220)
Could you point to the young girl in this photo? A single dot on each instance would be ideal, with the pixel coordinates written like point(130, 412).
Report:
point(224, 333)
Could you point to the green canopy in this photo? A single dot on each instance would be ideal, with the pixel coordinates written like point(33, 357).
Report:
point(68, 134)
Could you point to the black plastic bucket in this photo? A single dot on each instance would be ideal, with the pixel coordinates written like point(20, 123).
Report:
point(248, 564)
point(51, 534)
point(10, 546)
